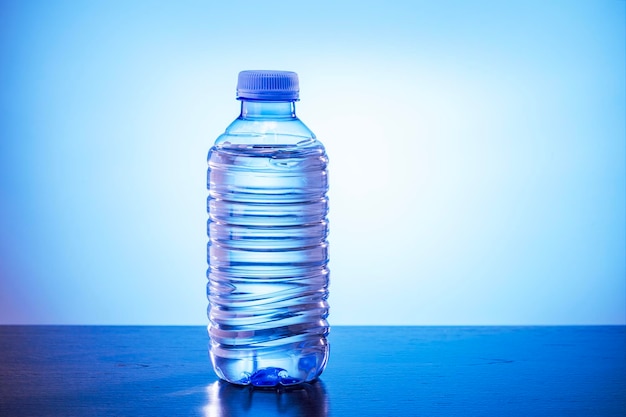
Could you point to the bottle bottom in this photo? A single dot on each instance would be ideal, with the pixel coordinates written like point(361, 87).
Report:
point(270, 368)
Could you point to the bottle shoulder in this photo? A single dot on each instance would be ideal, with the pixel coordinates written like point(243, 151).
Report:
point(279, 132)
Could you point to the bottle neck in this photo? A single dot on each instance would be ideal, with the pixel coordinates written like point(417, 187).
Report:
point(268, 109)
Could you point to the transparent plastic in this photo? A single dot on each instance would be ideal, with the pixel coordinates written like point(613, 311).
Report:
point(267, 253)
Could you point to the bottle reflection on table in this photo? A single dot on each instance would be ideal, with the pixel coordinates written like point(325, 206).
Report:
point(228, 400)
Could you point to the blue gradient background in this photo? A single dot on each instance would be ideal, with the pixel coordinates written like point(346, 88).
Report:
point(477, 154)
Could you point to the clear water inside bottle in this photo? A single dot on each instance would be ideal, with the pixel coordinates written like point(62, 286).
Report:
point(267, 254)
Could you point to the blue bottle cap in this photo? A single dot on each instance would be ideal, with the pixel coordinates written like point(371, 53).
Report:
point(268, 85)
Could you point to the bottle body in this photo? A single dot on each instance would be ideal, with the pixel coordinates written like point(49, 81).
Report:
point(267, 254)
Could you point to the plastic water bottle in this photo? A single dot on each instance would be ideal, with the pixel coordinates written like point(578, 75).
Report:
point(267, 253)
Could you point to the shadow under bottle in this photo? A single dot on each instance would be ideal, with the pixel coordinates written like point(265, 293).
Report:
point(225, 399)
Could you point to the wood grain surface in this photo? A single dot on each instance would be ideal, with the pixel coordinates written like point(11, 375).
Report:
point(377, 371)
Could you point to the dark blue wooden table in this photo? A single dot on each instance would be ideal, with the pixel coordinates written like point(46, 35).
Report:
point(377, 371)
